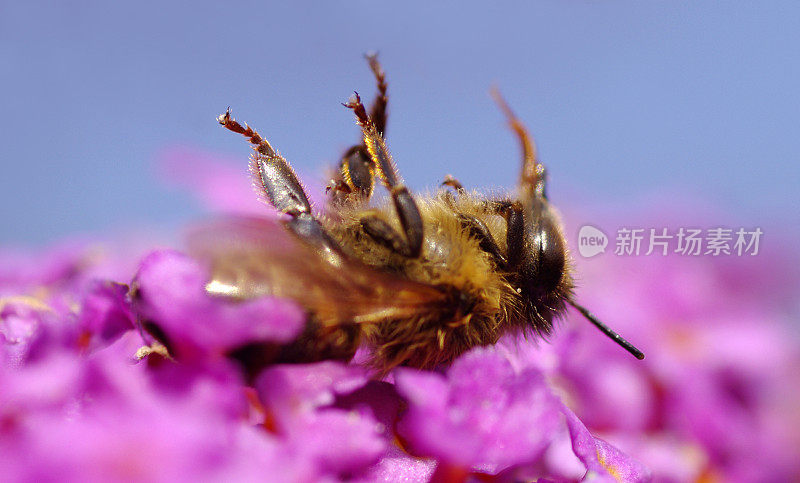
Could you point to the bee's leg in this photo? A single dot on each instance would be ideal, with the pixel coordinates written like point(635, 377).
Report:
point(377, 111)
point(338, 189)
point(404, 204)
point(477, 228)
point(532, 176)
point(515, 235)
point(356, 168)
point(357, 173)
point(451, 182)
point(383, 233)
point(281, 188)
point(512, 211)
point(480, 231)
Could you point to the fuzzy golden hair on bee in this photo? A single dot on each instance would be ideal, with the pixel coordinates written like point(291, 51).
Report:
point(418, 279)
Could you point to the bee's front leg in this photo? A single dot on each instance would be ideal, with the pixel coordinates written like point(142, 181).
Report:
point(513, 213)
point(480, 231)
point(532, 177)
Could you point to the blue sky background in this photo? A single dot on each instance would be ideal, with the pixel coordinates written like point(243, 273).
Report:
point(629, 101)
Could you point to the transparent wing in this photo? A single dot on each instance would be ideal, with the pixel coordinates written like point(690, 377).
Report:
point(253, 257)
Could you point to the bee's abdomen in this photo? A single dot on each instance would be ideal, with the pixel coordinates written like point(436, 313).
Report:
point(316, 343)
point(425, 344)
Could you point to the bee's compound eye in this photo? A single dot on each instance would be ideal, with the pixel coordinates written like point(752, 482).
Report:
point(551, 256)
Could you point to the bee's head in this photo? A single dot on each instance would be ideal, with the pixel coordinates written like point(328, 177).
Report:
point(539, 255)
point(540, 267)
point(543, 273)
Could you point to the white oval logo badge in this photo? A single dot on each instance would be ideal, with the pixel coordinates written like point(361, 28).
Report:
point(591, 241)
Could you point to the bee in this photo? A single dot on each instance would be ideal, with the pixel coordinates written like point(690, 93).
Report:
point(417, 279)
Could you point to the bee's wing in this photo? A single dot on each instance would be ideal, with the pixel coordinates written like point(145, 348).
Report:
point(251, 257)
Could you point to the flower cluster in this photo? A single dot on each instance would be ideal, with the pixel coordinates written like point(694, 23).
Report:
point(88, 394)
point(716, 396)
point(119, 368)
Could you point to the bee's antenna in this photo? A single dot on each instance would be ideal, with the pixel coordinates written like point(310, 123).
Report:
point(607, 331)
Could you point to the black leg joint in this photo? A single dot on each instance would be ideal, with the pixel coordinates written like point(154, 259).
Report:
point(358, 171)
point(383, 233)
point(280, 185)
point(410, 219)
point(479, 231)
point(310, 230)
point(515, 235)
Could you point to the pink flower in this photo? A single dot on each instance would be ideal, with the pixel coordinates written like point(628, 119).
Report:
point(482, 414)
point(170, 294)
point(89, 393)
point(712, 396)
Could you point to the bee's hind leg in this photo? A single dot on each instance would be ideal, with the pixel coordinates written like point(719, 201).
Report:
point(280, 187)
point(404, 204)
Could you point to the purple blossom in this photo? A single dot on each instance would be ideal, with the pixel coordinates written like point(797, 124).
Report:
point(170, 293)
point(481, 415)
point(88, 393)
point(105, 313)
point(87, 396)
point(300, 401)
point(712, 396)
point(603, 461)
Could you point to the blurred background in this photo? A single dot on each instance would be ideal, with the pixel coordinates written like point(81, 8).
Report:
point(646, 114)
point(629, 101)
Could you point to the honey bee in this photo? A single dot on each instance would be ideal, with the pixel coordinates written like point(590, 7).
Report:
point(418, 279)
